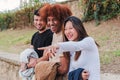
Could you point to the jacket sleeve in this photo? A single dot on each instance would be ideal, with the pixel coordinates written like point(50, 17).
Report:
point(86, 43)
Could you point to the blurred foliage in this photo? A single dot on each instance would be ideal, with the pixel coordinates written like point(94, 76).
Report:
point(93, 9)
point(100, 9)
point(19, 18)
point(23, 17)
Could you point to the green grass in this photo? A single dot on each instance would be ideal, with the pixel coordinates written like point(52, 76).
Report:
point(103, 39)
point(15, 38)
point(106, 58)
point(116, 53)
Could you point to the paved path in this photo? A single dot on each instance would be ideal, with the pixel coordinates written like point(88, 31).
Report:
point(104, 76)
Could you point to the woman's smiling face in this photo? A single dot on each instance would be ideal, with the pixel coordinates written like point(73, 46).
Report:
point(70, 32)
point(54, 24)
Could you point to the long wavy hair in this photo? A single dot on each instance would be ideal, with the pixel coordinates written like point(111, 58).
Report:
point(78, 26)
point(43, 11)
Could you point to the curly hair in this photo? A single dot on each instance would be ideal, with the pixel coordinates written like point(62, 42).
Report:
point(43, 11)
point(60, 11)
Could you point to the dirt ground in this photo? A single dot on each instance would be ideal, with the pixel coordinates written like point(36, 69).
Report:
point(110, 30)
point(113, 67)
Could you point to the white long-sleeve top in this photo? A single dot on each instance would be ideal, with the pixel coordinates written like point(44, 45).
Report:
point(89, 58)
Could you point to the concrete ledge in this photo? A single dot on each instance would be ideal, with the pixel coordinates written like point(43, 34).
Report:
point(10, 58)
point(9, 66)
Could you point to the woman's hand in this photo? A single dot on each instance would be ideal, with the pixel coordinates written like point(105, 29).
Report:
point(85, 75)
point(47, 51)
point(50, 50)
point(45, 54)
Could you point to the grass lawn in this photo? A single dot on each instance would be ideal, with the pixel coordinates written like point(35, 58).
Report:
point(15, 41)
